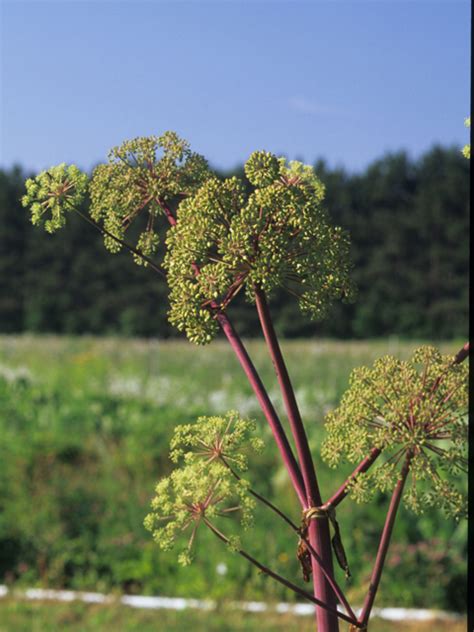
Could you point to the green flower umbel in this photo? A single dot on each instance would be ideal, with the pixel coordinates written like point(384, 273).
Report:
point(53, 193)
point(141, 177)
point(226, 439)
point(195, 495)
point(278, 236)
point(417, 407)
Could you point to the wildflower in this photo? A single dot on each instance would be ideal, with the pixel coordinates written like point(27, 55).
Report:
point(418, 407)
point(54, 192)
point(191, 496)
point(142, 175)
point(277, 236)
point(222, 439)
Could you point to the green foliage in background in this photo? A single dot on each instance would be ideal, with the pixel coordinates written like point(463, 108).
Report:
point(413, 277)
point(85, 426)
point(38, 616)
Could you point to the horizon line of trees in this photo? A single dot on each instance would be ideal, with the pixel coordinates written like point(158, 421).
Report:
point(409, 225)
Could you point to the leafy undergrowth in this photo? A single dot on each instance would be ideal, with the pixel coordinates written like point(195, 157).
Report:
point(18, 616)
point(85, 425)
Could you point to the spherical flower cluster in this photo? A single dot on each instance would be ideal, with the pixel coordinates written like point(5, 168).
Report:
point(225, 439)
point(205, 487)
point(191, 496)
point(278, 236)
point(262, 168)
point(53, 193)
point(141, 176)
point(416, 407)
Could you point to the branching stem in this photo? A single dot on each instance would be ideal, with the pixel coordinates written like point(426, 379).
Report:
point(289, 399)
point(257, 386)
point(363, 466)
point(384, 542)
point(128, 247)
point(280, 579)
point(319, 536)
point(332, 582)
point(265, 404)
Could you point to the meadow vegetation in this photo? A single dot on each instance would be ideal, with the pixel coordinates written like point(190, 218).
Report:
point(78, 617)
point(85, 426)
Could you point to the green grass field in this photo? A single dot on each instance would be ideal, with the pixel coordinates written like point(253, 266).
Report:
point(18, 616)
point(85, 425)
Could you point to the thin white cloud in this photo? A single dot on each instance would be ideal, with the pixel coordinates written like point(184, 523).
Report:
point(308, 106)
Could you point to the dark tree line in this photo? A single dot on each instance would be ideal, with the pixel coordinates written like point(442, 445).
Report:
point(409, 223)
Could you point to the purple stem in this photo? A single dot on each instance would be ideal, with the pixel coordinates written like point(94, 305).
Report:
point(291, 406)
point(462, 354)
point(384, 542)
point(280, 579)
point(319, 536)
point(362, 467)
point(257, 385)
point(265, 404)
point(337, 590)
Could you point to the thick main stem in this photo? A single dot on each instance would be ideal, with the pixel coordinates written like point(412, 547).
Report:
point(319, 538)
point(280, 579)
point(318, 531)
point(266, 405)
point(337, 591)
point(384, 542)
point(294, 417)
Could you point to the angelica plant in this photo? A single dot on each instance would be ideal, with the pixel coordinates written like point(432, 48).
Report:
point(278, 236)
point(399, 420)
point(417, 408)
point(194, 494)
point(466, 150)
point(54, 192)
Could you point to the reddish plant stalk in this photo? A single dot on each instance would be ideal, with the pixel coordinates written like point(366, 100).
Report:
point(384, 542)
point(266, 406)
point(337, 590)
point(282, 580)
point(318, 562)
point(320, 540)
point(257, 386)
point(294, 417)
point(318, 533)
point(362, 467)
point(462, 354)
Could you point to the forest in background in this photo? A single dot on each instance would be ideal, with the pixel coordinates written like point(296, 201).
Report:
point(409, 225)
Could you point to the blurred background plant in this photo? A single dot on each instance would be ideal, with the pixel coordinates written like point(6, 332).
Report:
point(413, 277)
point(86, 424)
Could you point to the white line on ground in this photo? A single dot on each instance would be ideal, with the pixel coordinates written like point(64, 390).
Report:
point(180, 603)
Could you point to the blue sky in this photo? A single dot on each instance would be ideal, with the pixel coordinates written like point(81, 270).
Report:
point(346, 81)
